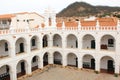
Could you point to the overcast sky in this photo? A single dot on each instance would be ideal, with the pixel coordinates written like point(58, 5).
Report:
point(13, 6)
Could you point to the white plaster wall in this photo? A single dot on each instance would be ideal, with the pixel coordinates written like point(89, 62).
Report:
point(35, 20)
point(34, 64)
point(36, 45)
point(71, 41)
point(104, 41)
point(19, 67)
point(2, 48)
point(18, 45)
point(103, 63)
point(3, 70)
point(87, 59)
point(58, 56)
point(57, 41)
point(71, 59)
point(38, 20)
point(87, 41)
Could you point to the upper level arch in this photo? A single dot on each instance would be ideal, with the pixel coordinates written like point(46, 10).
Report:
point(57, 40)
point(107, 64)
point(34, 42)
point(5, 72)
point(72, 41)
point(20, 45)
point(4, 48)
point(35, 62)
point(45, 40)
point(57, 57)
point(21, 67)
point(88, 42)
point(88, 61)
point(72, 59)
point(107, 42)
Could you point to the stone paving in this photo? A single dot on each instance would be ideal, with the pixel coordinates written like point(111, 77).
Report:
point(58, 73)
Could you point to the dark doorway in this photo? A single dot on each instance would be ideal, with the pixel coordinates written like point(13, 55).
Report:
point(110, 66)
point(34, 60)
point(76, 44)
point(45, 42)
point(45, 59)
point(57, 61)
point(92, 63)
point(93, 44)
point(5, 75)
point(21, 47)
point(76, 62)
point(22, 67)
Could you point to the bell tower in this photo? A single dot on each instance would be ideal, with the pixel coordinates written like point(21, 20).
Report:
point(50, 18)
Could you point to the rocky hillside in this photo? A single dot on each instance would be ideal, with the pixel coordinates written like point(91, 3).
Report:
point(85, 9)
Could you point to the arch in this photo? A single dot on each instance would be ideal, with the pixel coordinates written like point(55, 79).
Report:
point(35, 61)
point(45, 59)
point(88, 61)
point(57, 40)
point(5, 72)
point(34, 42)
point(107, 64)
point(107, 42)
point(4, 48)
point(72, 59)
point(57, 58)
point(72, 41)
point(88, 42)
point(20, 45)
point(45, 40)
point(21, 68)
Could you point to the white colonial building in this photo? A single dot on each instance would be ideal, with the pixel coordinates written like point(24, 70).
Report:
point(29, 41)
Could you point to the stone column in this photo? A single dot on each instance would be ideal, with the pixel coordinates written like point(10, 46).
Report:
point(38, 44)
point(13, 73)
point(79, 42)
point(50, 42)
point(29, 68)
point(80, 62)
point(64, 40)
point(64, 61)
point(12, 51)
point(41, 43)
point(50, 58)
point(28, 46)
point(97, 42)
point(117, 44)
point(40, 63)
point(97, 65)
point(117, 68)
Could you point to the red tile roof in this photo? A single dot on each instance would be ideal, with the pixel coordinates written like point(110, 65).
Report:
point(7, 16)
point(111, 21)
point(4, 16)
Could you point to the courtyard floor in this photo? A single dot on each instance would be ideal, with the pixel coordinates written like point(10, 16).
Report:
point(69, 73)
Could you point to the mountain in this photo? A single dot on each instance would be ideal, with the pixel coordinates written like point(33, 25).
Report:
point(85, 9)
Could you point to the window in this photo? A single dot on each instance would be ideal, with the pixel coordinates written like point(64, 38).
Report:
point(34, 59)
point(28, 21)
point(110, 43)
point(6, 47)
point(4, 22)
point(17, 20)
point(77, 19)
point(33, 42)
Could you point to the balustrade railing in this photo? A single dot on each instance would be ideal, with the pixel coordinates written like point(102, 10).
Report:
point(85, 28)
